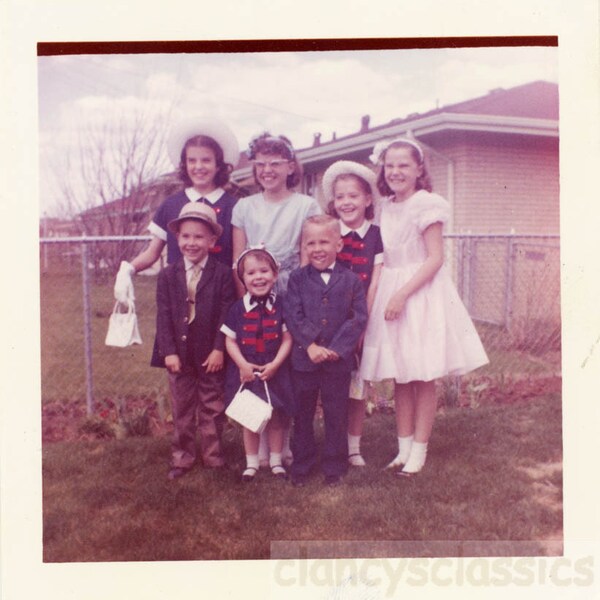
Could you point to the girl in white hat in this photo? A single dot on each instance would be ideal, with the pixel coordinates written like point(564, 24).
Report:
point(205, 151)
point(351, 191)
point(418, 329)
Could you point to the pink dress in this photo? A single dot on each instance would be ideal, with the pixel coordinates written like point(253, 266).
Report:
point(434, 336)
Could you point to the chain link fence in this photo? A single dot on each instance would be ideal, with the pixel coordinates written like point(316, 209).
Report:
point(510, 285)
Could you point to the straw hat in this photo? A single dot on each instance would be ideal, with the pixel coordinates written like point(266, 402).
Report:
point(200, 212)
point(189, 126)
point(348, 167)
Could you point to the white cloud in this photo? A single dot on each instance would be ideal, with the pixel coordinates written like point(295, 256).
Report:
point(295, 94)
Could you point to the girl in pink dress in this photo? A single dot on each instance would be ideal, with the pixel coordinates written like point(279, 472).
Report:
point(418, 328)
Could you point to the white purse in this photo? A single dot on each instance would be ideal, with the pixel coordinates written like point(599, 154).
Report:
point(123, 327)
point(250, 410)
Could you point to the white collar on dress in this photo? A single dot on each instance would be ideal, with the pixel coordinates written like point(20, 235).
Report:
point(362, 230)
point(194, 195)
point(248, 305)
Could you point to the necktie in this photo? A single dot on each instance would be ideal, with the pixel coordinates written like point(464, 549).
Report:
point(192, 283)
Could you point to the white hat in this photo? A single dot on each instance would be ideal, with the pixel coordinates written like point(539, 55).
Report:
point(200, 212)
point(189, 126)
point(348, 167)
point(381, 146)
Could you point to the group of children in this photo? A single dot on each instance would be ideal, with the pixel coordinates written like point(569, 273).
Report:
point(325, 302)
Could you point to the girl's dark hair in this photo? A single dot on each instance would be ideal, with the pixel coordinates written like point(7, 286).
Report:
point(423, 181)
point(204, 141)
point(366, 188)
point(265, 143)
point(259, 254)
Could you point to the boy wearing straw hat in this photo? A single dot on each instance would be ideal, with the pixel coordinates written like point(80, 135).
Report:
point(193, 296)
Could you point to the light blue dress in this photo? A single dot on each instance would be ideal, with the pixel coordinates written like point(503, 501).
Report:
point(278, 226)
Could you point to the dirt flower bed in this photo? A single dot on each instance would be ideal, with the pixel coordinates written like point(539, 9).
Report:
point(125, 417)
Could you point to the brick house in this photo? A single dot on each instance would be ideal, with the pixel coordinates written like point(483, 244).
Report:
point(496, 160)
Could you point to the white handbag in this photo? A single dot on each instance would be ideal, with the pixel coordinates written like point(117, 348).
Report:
point(123, 327)
point(250, 410)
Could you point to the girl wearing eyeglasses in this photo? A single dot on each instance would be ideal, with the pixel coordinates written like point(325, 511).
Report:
point(274, 216)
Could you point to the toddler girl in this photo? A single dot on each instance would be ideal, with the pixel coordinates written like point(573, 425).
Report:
point(419, 329)
point(274, 216)
point(258, 343)
point(351, 189)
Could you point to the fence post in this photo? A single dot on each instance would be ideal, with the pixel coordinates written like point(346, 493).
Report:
point(508, 288)
point(87, 331)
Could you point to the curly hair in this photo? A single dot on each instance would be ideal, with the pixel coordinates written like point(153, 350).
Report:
point(203, 141)
point(423, 181)
point(265, 143)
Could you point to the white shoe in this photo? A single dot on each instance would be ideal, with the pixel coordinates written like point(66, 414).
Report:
point(356, 460)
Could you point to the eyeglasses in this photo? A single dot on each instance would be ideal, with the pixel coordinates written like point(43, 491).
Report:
point(272, 164)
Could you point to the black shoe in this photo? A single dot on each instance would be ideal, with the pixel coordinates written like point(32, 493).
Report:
point(176, 473)
point(406, 474)
point(333, 480)
point(279, 472)
point(249, 474)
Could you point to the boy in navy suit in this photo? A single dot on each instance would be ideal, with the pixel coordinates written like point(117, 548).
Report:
point(326, 313)
point(193, 296)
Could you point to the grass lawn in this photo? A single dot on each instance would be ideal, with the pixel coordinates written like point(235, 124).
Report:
point(493, 474)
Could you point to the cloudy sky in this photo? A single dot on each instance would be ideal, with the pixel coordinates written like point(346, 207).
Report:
point(293, 93)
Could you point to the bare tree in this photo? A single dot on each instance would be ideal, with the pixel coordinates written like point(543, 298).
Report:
point(113, 179)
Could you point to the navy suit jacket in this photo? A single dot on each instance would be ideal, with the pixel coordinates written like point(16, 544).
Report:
point(333, 315)
point(214, 295)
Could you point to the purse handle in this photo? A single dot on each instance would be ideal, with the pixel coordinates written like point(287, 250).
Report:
point(130, 307)
point(266, 388)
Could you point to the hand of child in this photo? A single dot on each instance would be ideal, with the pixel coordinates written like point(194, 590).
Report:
point(267, 371)
point(214, 362)
point(318, 354)
point(333, 355)
point(173, 363)
point(123, 289)
point(247, 372)
point(394, 307)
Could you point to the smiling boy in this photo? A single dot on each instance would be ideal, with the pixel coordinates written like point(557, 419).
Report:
point(193, 296)
point(326, 313)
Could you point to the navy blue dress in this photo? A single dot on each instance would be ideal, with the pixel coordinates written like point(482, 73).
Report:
point(169, 210)
point(258, 332)
point(358, 254)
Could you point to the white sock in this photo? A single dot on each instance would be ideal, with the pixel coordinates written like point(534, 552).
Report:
point(416, 460)
point(252, 461)
point(353, 444)
point(404, 446)
point(275, 459)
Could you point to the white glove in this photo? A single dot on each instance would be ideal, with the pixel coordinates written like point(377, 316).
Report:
point(124, 284)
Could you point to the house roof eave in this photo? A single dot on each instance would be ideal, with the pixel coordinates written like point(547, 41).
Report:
point(423, 126)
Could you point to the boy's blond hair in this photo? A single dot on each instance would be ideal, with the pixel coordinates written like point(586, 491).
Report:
point(323, 221)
